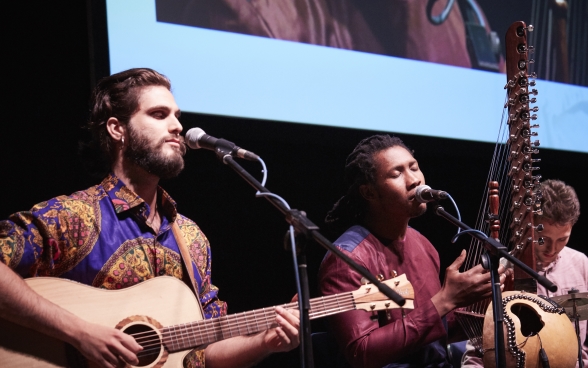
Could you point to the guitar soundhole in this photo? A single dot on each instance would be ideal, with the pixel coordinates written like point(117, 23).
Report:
point(149, 340)
point(531, 322)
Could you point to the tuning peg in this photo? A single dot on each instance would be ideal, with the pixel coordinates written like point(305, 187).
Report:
point(534, 74)
point(536, 143)
point(536, 179)
point(534, 109)
point(374, 316)
point(533, 100)
point(528, 168)
point(534, 92)
point(388, 315)
point(540, 241)
point(521, 30)
point(539, 228)
point(516, 204)
point(531, 61)
point(531, 49)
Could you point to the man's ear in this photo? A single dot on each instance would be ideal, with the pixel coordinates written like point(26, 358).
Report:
point(115, 129)
point(368, 192)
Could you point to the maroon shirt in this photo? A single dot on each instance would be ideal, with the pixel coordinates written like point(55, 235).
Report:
point(409, 340)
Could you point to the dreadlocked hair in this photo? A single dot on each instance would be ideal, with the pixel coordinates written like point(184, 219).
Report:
point(559, 203)
point(360, 169)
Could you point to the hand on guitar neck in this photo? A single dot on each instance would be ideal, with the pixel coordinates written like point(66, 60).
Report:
point(246, 351)
point(464, 288)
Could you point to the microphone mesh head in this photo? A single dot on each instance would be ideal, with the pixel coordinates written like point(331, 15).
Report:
point(419, 193)
point(192, 137)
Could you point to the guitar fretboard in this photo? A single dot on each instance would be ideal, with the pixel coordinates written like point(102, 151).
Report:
point(189, 335)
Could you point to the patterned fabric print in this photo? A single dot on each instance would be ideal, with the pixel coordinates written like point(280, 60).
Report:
point(199, 249)
point(134, 262)
point(11, 247)
point(194, 359)
point(74, 223)
point(64, 237)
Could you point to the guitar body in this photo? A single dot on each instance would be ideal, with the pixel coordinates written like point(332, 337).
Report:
point(164, 317)
point(162, 301)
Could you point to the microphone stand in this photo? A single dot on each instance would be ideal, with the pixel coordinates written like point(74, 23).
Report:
point(305, 227)
point(495, 251)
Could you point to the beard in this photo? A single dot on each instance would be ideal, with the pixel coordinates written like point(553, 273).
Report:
point(151, 158)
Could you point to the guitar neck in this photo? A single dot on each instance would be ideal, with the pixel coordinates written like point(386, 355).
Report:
point(190, 335)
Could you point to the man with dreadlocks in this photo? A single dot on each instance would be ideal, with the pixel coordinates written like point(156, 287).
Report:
point(382, 176)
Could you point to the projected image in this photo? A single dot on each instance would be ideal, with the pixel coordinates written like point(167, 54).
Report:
point(465, 33)
point(427, 67)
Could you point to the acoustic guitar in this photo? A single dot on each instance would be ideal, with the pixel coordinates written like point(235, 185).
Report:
point(164, 317)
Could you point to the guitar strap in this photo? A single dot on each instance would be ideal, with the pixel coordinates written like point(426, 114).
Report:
point(186, 263)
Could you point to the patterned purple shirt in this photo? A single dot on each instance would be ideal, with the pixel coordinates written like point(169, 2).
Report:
point(99, 237)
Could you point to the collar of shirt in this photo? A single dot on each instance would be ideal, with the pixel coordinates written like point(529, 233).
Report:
point(124, 199)
point(550, 266)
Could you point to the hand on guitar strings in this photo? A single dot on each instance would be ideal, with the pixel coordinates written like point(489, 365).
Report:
point(106, 346)
point(464, 288)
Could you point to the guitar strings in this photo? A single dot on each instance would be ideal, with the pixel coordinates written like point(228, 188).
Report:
point(187, 336)
point(181, 337)
point(472, 317)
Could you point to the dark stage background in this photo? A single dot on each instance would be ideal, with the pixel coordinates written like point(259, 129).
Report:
point(48, 74)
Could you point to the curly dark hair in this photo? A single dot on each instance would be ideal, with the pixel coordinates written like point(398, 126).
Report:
point(360, 168)
point(559, 202)
point(114, 96)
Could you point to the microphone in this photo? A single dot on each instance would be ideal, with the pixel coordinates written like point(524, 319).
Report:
point(196, 138)
point(425, 194)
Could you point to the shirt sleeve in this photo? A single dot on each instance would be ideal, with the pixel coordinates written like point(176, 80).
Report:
point(471, 358)
point(363, 342)
point(31, 242)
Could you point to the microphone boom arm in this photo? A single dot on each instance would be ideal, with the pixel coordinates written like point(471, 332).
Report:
point(311, 231)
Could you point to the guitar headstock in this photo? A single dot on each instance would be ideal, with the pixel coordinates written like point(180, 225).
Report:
point(369, 298)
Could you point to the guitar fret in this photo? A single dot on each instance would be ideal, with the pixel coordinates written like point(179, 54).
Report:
point(187, 337)
point(175, 344)
point(256, 323)
point(266, 321)
point(245, 320)
point(199, 325)
point(236, 324)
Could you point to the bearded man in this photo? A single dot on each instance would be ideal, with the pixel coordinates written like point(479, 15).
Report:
point(119, 233)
